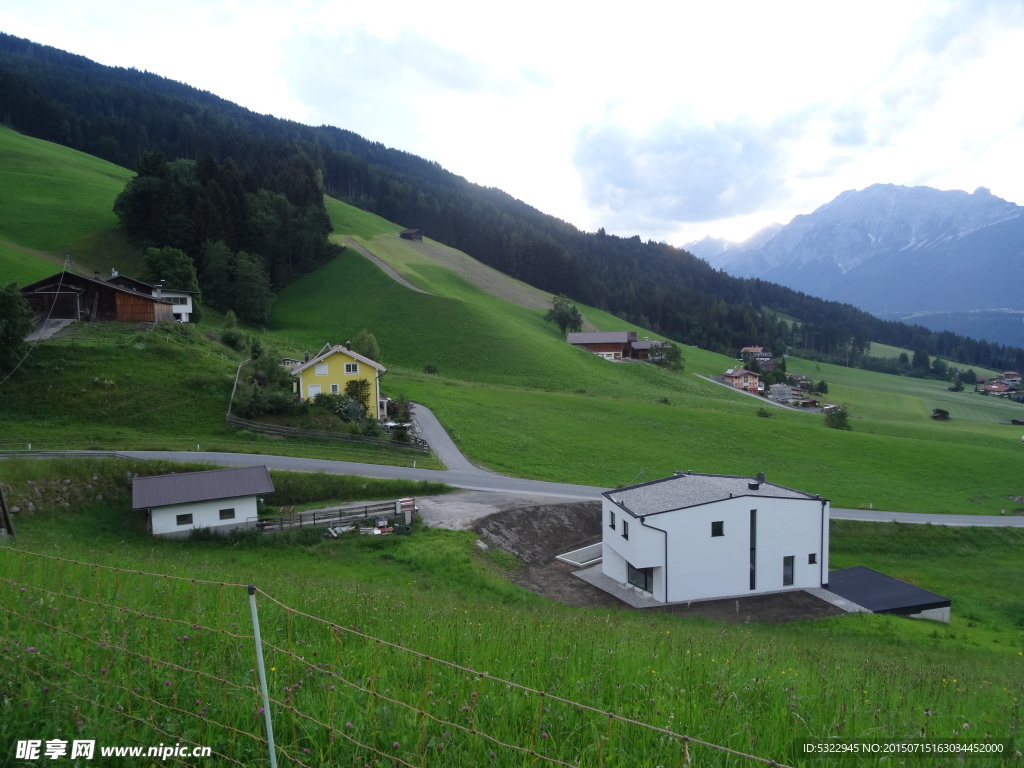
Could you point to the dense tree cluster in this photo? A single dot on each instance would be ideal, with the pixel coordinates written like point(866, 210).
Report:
point(242, 238)
point(255, 177)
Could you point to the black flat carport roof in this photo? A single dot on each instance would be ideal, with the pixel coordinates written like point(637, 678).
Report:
point(882, 594)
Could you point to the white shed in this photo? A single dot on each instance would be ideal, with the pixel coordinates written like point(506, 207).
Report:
point(221, 498)
point(696, 536)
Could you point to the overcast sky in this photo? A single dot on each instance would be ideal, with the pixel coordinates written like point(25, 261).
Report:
point(670, 120)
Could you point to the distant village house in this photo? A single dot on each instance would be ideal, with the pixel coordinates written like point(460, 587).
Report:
point(617, 345)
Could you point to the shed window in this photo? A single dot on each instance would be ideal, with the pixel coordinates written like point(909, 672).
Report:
point(227, 514)
point(718, 528)
point(185, 519)
point(351, 368)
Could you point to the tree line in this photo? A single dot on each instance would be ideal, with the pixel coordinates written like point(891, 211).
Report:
point(125, 116)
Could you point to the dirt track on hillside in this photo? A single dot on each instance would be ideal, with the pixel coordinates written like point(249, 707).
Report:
point(537, 534)
point(486, 278)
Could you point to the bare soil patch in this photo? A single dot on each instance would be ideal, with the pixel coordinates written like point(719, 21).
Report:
point(537, 534)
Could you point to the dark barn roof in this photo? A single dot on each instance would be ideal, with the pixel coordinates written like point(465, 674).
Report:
point(186, 487)
point(882, 594)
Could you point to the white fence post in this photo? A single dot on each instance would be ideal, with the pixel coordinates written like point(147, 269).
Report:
point(263, 676)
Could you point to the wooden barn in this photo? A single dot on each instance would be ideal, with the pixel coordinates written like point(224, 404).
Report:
point(70, 296)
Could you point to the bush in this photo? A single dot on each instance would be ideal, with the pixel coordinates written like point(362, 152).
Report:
point(235, 338)
point(430, 368)
point(837, 418)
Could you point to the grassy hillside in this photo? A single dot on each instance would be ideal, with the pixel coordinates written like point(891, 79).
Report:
point(59, 202)
point(513, 394)
point(751, 687)
point(519, 400)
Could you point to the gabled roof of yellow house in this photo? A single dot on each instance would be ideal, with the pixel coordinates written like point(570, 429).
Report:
point(329, 350)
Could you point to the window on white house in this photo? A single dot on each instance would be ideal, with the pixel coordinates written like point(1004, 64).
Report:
point(812, 558)
point(321, 369)
point(185, 519)
point(227, 514)
point(351, 368)
point(335, 390)
point(641, 577)
point(625, 529)
point(611, 519)
point(718, 528)
point(787, 571)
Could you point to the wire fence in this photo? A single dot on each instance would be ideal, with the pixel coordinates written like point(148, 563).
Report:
point(117, 656)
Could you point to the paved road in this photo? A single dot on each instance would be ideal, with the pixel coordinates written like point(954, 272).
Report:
point(461, 473)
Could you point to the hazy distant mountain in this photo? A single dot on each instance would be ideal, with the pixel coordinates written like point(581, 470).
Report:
point(894, 251)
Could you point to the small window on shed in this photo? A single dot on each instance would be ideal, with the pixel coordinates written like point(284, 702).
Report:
point(227, 514)
point(185, 519)
point(718, 528)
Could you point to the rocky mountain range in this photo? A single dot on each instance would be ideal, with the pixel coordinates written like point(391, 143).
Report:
point(948, 260)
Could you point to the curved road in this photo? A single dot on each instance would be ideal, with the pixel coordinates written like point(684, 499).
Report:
point(463, 474)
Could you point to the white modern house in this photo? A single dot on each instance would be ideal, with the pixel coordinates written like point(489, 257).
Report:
point(698, 536)
point(220, 498)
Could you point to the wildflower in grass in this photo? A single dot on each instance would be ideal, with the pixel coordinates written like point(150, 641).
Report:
point(31, 649)
point(348, 724)
point(24, 704)
point(395, 745)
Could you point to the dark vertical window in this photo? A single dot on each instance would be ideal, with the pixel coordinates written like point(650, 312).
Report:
point(718, 528)
point(753, 549)
point(625, 529)
point(611, 519)
point(641, 577)
point(787, 571)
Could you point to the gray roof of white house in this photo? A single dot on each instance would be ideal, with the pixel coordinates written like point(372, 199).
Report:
point(691, 489)
point(187, 487)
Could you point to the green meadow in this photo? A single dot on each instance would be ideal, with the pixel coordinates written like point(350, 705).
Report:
point(343, 621)
point(518, 400)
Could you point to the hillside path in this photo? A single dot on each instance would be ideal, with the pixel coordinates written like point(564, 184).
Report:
point(385, 267)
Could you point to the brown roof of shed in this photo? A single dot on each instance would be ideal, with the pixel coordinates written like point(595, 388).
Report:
point(186, 487)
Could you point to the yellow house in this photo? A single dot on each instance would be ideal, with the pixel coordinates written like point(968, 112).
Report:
point(331, 371)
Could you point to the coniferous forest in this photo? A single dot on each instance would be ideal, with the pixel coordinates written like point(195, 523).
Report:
point(218, 181)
